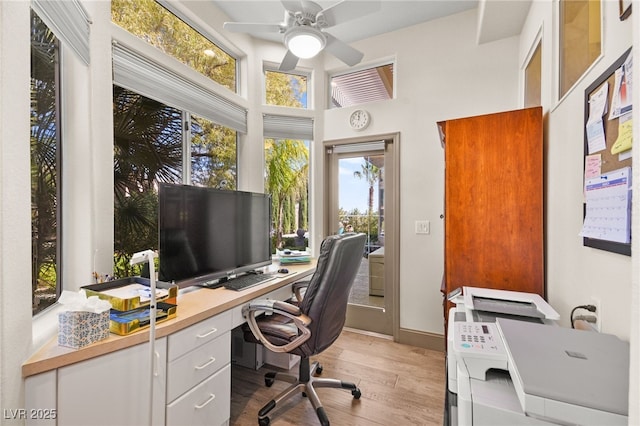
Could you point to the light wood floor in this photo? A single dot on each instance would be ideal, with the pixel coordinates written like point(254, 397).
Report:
point(401, 385)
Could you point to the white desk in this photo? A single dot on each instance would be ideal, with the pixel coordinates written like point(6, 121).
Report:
point(107, 383)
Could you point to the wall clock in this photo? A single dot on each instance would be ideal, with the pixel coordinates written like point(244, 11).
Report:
point(359, 119)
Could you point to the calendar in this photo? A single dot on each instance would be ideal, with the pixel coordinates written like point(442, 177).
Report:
point(608, 206)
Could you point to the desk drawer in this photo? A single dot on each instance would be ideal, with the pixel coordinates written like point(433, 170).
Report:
point(195, 366)
point(207, 404)
point(198, 334)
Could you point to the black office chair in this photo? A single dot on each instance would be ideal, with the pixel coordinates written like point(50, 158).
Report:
point(310, 326)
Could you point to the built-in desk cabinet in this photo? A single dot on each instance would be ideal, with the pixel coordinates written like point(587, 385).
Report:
point(192, 382)
point(199, 373)
point(113, 389)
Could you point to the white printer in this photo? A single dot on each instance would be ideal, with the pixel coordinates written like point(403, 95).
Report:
point(481, 307)
point(508, 363)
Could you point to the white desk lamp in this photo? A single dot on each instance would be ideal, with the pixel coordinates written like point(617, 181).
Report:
point(140, 257)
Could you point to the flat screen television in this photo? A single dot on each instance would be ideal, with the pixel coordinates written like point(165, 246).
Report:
point(208, 234)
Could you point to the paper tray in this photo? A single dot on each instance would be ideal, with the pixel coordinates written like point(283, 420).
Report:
point(123, 303)
point(124, 323)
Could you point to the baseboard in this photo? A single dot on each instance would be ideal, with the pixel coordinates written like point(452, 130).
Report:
point(422, 339)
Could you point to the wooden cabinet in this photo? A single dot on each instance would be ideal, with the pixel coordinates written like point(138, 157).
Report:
point(494, 201)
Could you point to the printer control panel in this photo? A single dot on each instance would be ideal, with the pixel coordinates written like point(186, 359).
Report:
point(477, 337)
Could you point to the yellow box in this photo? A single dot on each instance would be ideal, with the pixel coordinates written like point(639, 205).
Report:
point(127, 322)
point(123, 303)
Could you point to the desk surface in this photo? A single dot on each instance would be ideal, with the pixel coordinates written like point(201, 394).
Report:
point(193, 306)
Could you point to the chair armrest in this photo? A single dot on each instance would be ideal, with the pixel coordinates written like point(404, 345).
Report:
point(299, 289)
point(268, 307)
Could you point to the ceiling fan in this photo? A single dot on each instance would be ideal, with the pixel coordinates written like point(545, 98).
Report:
point(304, 28)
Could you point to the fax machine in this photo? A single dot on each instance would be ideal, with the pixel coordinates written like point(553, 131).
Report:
point(515, 366)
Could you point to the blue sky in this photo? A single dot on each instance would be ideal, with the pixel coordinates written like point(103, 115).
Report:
point(354, 192)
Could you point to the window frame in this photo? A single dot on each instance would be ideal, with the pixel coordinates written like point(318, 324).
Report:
point(272, 67)
point(536, 44)
point(377, 64)
point(186, 17)
point(59, 102)
point(558, 46)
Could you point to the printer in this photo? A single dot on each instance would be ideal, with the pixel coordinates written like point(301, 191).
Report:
point(475, 305)
point(509, 363)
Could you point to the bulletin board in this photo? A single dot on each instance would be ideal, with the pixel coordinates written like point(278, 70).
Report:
point(609, 162)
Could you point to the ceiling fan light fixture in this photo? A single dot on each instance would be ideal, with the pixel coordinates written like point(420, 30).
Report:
point(305, 42)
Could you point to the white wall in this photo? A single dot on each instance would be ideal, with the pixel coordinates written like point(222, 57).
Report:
point(441, 74)
point(15, 227)
point(576, 273)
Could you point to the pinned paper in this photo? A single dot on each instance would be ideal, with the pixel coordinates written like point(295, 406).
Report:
point(595, 127)
point(592, 166)
point(621, 100)
point(625, 135)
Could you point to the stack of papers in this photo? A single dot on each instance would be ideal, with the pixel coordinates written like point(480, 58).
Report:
point(289, 257)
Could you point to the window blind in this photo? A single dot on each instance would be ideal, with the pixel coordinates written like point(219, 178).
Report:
point(137, 73)
point(287, 127)
point(359, 147)
point(69, 22)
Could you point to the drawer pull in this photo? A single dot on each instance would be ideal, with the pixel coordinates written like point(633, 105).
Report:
point(213, 330)
point(211, 361)
point(204, 404)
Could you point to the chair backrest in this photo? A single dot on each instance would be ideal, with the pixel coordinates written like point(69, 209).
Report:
point(326, 298)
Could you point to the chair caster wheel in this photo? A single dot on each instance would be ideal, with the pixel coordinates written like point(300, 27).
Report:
point(304, 394)
point(319, 370)
point(264, 421)
point(356, 393)
point(269, 378)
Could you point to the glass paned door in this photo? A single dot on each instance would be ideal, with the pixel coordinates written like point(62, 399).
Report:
point(361, 209)
point(356, 199)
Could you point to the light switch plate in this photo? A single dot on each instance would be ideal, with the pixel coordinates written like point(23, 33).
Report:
point(422, 227)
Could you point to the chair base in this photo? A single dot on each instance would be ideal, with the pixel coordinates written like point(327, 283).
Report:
point(307, 384)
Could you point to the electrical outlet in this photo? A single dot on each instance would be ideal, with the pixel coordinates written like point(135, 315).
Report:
point(598, 313)
point(422, 227)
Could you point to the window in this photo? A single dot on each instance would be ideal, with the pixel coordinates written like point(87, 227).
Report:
point(157, 26)
point(149, 141)
point(213, 154)
point(285, 89)
point(533, 79)
point(286, 145)
point(147, 149)
point(358, 87)
point(45, 166)
point(580, 40)
point(287, 180)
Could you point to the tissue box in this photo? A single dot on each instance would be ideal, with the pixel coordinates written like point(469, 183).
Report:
point(78, 328)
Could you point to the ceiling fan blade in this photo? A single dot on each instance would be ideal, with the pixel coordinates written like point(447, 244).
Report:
point(343, 51)
point(347, 10)
point(292, 5)
point(289, 62)
point(252, 27)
